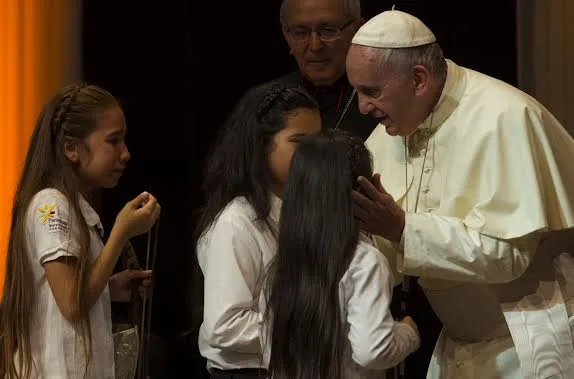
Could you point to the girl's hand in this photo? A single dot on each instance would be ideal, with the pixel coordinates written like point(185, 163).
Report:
point(138, 216)
point(123, 283)
point(410, 322)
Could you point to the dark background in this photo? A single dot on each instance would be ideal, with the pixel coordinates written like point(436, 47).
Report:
point(179, 66)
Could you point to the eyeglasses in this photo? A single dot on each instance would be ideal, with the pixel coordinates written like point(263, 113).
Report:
point(326, 33)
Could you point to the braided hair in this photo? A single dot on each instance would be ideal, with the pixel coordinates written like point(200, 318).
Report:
point(64, 104)
point(238, 164)
point(72, 113)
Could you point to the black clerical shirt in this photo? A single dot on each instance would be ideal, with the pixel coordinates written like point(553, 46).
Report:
point(332, 101)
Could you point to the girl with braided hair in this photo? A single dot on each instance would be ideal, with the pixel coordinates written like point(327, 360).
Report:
point(236, 232)
point(55, 313)
point(327, 292)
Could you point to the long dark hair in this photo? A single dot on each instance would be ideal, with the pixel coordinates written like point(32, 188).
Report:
point(317, 239)
point(238, 165)
point(72, 113)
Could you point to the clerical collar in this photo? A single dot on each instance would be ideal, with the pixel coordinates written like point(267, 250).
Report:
point(330, 89)
point(454, 87)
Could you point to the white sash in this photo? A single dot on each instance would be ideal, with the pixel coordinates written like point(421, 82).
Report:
point(541, 333)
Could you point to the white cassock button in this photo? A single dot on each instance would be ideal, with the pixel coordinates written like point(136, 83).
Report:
point(428, 170)
point(426, 190)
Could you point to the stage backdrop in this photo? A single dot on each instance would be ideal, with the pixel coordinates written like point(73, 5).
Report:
point(545, 34)
point(39, 52)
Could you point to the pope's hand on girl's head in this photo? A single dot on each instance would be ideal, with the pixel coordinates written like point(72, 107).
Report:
point(377, 211)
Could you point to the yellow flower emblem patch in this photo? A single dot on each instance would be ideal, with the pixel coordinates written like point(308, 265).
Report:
point(47, 212)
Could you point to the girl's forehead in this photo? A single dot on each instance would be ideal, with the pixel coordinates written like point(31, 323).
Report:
point(304, 120)
point(112, 118)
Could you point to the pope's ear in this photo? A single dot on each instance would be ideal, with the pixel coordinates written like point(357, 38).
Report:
point(421, 78)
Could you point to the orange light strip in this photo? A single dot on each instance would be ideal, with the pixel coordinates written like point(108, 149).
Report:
point(36, 58)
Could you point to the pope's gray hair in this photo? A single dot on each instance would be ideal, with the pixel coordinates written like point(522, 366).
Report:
point(403, 59)
point(351, 8)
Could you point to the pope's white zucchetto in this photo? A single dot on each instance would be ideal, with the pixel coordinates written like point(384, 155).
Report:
point(394, 29)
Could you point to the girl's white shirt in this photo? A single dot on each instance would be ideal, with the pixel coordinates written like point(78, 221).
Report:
point(57, 348)
point(375, 341)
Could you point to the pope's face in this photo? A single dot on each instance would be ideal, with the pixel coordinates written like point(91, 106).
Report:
point(393, 98)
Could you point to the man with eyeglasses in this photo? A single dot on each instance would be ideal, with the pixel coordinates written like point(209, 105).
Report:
point(319, 34)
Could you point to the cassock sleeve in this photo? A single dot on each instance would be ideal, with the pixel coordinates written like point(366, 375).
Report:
point(443, 247)
point(377, 341)
point(231, 267)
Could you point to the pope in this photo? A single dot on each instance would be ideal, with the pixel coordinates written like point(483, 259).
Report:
point(475, 198)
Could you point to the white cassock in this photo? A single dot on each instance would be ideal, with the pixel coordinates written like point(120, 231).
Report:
point(498, 175)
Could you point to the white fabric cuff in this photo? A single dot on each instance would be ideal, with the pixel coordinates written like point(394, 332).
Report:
point(400, 247)
point(411, 242)
point(414, 340)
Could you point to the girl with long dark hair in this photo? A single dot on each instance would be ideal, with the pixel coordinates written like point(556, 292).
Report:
point(328, 289)
point(237, 229)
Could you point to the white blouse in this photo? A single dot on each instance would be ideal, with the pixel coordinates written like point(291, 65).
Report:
point(57, 349)
point(233, 256)
point(377, 342)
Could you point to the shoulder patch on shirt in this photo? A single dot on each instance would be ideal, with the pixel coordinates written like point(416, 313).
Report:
point(47, 212)
point(49, 216)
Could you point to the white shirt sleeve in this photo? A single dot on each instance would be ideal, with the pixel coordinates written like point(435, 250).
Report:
point(232, 265)
point(377, 340)
point(443, 247)
point(51, 230)
point(264, 331)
